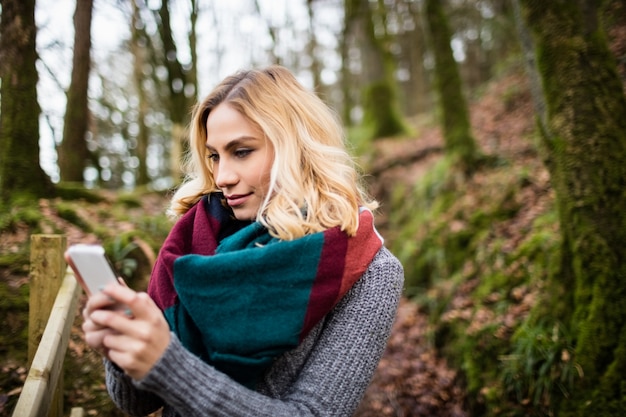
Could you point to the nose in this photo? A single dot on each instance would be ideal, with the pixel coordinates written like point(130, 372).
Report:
point(225, 175)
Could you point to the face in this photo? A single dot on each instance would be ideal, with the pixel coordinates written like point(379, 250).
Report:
point(241, 157)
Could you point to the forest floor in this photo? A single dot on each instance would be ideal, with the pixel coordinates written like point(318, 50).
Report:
point(412, 378)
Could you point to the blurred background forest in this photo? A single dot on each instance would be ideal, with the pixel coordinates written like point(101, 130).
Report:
point(492, 131)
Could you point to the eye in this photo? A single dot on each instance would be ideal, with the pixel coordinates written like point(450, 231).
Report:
point(242, 153)
point(213, 157)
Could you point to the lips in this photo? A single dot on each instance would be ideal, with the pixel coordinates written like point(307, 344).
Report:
point(237, 199)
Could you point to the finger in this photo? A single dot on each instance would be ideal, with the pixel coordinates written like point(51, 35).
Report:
point(120, 323)
point(95, 338)
point(98, 301)
point(135, 355)
point(90, 326)
point(140, 304)
point(129, 363)
point(120, 293)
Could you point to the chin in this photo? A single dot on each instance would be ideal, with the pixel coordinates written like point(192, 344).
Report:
point(244, 215)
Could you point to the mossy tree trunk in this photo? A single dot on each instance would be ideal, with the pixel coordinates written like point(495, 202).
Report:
point(382, 115)
point(584, 136)
point(459, 141)
point(20, 172)
point(73, 151)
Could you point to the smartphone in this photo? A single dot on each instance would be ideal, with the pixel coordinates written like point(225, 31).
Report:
point(91, 267)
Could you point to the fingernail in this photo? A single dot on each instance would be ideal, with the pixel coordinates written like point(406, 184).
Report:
point(128, 312)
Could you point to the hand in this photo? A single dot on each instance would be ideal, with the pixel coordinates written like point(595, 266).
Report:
point(134, 342)
point(94, 332)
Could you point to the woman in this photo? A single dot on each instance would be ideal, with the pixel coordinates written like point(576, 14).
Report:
point(273, 294)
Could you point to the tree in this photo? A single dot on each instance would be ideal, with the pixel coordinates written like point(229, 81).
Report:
point(137, 47)
point(316, 65)
point(21, 176)
point(381, 105)
point(459, 142)
point(416, 90)
point(584, 139)
point(73, 151)
point(179, 104)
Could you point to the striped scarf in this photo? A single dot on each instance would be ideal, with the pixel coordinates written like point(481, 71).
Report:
point(238, 298)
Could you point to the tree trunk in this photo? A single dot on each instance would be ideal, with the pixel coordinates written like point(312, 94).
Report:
point(311, 48)
point(381, 105)
point(21, 176)
point(417, 92)
point(192, 73)
point(459, 142)
point(179, 105)
point(73, 152)
point(585, 138)
point(347, 77)
point(138, 37)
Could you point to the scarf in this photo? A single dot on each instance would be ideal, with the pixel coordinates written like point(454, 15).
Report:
point(238, 298)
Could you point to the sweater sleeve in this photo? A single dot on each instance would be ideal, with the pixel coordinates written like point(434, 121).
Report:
point(327, 378)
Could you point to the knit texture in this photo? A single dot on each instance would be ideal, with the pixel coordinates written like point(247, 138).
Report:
point(242, 301)
point(326, 375)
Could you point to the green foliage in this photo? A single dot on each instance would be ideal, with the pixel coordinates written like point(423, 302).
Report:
point(119, 254)
point(540, 368)
point(454, 240)
point(440, 227)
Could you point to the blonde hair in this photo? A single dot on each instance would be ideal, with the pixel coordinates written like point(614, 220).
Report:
point(314, 184)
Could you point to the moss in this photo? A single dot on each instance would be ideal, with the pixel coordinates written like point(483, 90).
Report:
point(68, 212)
point(16, 262)
point(584, 133)
point(463, 271)
point(14, 310)
point(24, 213)
point(129, 201)
point(382, 117)
point(70, 191)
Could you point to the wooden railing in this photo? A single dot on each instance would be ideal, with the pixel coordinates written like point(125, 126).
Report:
point(54, 295)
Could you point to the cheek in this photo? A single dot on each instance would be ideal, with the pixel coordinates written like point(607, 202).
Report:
point(263, 182)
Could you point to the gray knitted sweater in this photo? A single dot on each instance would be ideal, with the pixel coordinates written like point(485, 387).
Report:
point(325, 376)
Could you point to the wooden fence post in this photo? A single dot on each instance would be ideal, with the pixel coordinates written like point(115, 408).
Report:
point(47, 270)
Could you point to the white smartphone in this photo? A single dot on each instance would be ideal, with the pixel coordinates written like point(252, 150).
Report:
point(91, 267)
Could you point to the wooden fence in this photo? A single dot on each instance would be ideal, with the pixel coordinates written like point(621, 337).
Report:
point(54, 294)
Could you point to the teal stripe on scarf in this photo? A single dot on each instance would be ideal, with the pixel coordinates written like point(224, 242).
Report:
point(250, 299)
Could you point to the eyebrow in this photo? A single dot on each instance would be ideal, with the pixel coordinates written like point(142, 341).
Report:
point(234, 143)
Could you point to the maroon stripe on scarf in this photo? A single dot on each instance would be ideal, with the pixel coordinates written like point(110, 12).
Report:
point(327, 283)
point(192, 233)
point(342, 263)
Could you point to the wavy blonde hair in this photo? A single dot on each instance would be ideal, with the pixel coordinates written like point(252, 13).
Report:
point(314, 183)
